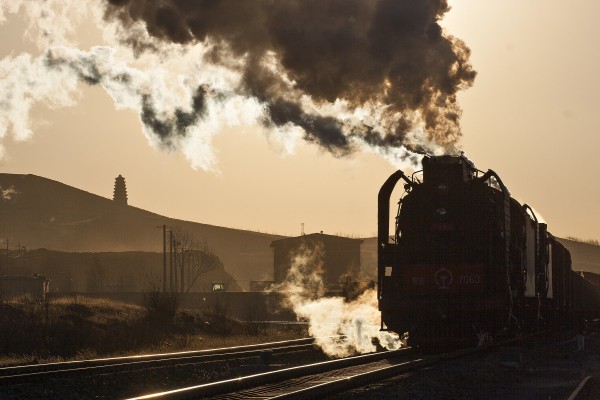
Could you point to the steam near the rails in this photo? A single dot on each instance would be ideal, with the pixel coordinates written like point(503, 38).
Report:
point(357, 320)
point(8, 193)
point(346, 75)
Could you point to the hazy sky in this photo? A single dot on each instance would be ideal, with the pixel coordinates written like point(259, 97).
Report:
point(531, 115)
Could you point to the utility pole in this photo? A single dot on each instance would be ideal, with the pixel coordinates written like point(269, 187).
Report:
point(164, 277)
point(7, 257)
point(171, 260)
point(164, 258)
point(183, 252)
point(175, 280)
point(189, 269)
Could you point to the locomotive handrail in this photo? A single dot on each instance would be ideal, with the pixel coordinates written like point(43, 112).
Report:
point(526, 207)
point(507, 238)
point(536, 249)
point(490, 174)
point(412, 177)
point(507, 198)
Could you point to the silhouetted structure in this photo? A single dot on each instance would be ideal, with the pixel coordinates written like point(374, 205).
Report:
point(120, 192)
point(340, 256)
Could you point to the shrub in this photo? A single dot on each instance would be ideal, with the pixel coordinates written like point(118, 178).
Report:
point(161, 307)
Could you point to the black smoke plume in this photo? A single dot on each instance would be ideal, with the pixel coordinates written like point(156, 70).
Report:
point(392, 54)
point(177, 125)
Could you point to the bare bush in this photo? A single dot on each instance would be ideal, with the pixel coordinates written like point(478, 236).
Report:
point(192, 258)
point(161, 306)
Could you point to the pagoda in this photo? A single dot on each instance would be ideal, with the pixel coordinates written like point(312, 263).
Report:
point(120, 192)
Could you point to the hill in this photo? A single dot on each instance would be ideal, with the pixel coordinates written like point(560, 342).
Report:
point(584, 256)
point(37, 212)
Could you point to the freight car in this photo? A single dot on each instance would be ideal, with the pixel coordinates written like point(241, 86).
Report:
point(466, 261)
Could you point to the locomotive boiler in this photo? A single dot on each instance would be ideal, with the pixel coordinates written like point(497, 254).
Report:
point(466, 261)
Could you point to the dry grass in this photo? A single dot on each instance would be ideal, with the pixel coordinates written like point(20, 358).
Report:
point(68, 327)
point(211, 341)
point(83, 328)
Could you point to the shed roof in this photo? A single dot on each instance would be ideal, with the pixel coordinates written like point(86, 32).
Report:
point(318, 236)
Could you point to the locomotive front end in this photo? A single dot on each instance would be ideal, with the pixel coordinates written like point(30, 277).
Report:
point(437, 273)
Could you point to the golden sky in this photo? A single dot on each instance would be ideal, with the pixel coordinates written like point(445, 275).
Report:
point(531, 116)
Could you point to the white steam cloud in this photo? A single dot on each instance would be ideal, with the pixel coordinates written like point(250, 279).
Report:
point(182, 101)
point(163, 87)
point(357, 321)
point(8, 194)
point(183, 98)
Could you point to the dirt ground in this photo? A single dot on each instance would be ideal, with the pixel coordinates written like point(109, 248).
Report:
point(546, 369)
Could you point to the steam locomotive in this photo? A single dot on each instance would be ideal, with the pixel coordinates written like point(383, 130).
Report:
point(467, 262)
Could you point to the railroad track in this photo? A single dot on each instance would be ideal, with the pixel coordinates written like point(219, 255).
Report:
point(313, 380)
point(306, 381)
point(73, 369)
point(319, 379)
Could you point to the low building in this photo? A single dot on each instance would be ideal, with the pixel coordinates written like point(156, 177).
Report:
point(340, 256)
point(12, 286)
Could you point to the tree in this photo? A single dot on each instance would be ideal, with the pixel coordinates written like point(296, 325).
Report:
point(192, 257)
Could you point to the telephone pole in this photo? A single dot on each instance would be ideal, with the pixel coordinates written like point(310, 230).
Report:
point(164, 258)
point(175, 278)
point(164, 277)
point(171, 260)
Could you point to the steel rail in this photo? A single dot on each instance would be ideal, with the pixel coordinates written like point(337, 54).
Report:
point(355, 380)
point(15, 374)
point(320, 389)
point(336, 386)
point(245, 382)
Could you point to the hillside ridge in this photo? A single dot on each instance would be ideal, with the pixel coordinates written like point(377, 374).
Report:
point(39, 212)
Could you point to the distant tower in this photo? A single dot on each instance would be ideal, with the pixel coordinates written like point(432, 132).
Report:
point(120, 193)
